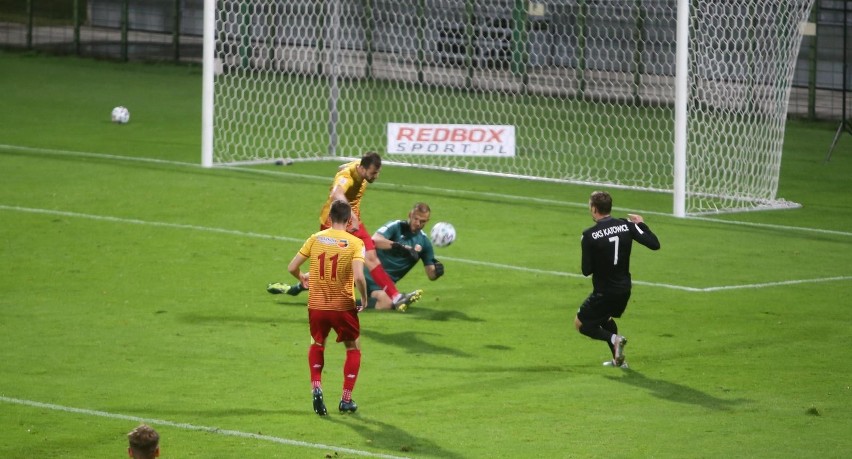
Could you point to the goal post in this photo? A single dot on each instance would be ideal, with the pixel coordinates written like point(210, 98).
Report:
point(680, 109)
point(677, 96)
point(207, 83)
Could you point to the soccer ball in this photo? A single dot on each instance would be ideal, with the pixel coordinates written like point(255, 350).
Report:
point(120, 115)
point(443, 234)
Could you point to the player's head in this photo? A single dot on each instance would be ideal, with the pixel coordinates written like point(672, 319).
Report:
point(419, 216)
point(600, 202)
point(144, 443)
point(370, 166)
point(340, 212)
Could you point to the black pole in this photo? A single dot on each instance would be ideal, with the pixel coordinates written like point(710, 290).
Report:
point(845, 125)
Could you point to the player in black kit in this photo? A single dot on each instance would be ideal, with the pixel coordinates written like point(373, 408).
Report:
point(606, 256)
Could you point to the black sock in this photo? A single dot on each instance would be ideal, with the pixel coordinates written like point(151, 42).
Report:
point(611, 327)
point(595, 331)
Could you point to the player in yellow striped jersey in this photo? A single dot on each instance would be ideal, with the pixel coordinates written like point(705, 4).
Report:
point(349, 185)
point(336, 265)
point(400, 245)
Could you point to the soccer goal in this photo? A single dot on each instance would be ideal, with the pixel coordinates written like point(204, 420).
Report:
point(679, 96)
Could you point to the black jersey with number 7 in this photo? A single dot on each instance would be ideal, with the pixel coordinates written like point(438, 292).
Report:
point(606, 252)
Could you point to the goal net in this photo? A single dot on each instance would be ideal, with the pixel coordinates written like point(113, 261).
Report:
point(577, 91)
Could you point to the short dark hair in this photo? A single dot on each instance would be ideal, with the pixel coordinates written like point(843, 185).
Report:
point(421, 207)
point(144, 441)
point(371, 158)
point(340, 211)
point(602, 201)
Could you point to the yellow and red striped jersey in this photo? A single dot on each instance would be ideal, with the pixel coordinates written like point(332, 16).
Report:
point(353, 186)
point(331, 253)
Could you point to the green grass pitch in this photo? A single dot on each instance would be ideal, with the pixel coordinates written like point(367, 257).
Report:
point(132, 288)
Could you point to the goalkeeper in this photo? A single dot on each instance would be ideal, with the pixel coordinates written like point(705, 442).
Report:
point(401, 245)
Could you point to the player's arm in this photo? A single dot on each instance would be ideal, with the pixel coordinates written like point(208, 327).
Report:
point(434, 270)
point(384, 242)
point(587, 258)
point(338, 193)
point(642, 233)
point(295, 268)
point(360, 282)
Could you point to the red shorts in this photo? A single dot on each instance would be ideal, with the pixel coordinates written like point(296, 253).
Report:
point(344, 323)
point(362, 234)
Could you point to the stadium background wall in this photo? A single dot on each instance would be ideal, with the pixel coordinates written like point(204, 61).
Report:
point(171, 30)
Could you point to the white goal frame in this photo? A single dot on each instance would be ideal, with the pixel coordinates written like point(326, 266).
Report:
point(694, 94)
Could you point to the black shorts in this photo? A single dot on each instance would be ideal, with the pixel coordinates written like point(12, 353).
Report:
point(599, 307)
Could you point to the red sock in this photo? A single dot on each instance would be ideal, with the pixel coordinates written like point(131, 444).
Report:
point(316, 360)
point(384, 281)
point(350, 372)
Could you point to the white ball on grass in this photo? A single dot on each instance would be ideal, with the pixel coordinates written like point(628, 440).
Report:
point(120, 115)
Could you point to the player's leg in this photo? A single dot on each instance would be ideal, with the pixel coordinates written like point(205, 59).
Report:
point(378, 273)
point(378, 298)
point(348, 331)
point(611, 327)
point(381, 300)
point(594, 320)
point(616, 304)
point(351, 367)
point(277, 288)
point(320, 328)
point(605, 330)
point(592, 328)
point(591, 316)
point(381, 277)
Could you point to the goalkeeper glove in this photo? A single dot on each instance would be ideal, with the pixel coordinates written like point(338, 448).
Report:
point(407, 251)
point(439, 269)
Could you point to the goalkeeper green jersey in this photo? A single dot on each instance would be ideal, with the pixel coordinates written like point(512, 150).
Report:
point(397, 264)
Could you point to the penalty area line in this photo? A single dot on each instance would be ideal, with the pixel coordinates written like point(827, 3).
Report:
point(393, 186)
point(658, 284)
point(460, 260)
point(193, 427)
point(134, 221)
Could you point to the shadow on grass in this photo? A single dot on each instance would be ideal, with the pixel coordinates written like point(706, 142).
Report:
point(220, 319)
point(442, 315)
point(416, 311)
point(674, 392)
point(411, 342)
point(392, 439)
point(376, 434)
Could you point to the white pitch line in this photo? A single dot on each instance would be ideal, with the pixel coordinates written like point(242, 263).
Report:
point(180, 425)
point(148, 223)
point(561, 273)
point(657, 284)
point(385, 185)
point(771, 226)
point(85, 154)
point(777, 284)
point(460, 260)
